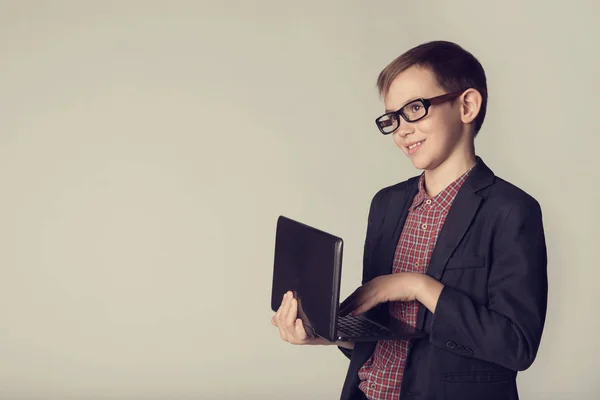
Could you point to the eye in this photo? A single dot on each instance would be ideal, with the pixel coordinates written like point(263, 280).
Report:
point(415, 108)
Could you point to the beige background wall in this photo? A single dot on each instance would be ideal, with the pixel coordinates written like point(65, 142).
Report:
point(146, 149)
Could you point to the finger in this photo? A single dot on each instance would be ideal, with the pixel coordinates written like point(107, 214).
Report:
point(346, 309)
point(280, 310)
point(285, 309)
point(283, 334)
point(277, 316)
point(348, 299)
point(349, 307)
point(288, 317)
point(346, 303)
point(365, 305)
point(350, 303)
point(299, 335)
point(292, 314)
point(281, 320)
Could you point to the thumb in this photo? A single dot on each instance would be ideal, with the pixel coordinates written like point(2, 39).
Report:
point(300, 331)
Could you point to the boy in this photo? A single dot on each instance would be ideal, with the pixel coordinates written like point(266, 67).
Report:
point(457, 251)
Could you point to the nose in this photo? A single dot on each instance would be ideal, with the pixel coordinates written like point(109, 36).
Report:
point(405, 129)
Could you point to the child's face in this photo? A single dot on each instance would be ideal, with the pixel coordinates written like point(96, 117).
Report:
point(440, 134)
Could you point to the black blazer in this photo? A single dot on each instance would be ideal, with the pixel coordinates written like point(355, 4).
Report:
point(491, 257)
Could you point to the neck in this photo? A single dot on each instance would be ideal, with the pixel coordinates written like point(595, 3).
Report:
point(448, 171)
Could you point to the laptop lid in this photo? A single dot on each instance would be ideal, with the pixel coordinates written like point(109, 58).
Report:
point(308, 262)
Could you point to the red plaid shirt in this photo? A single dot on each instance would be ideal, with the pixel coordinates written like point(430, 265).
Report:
point(381, 375)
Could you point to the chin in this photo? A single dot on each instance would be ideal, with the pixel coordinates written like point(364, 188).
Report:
point(422, 163)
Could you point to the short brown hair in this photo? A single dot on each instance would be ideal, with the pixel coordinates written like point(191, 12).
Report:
point(454, 68)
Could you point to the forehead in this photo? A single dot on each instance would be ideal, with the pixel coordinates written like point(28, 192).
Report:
point(411, 84)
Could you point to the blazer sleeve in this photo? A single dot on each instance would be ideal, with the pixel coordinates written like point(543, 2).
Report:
point(507, 331)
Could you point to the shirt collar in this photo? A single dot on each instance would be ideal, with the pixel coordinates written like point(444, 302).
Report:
point(444, 199)
point(421, 193)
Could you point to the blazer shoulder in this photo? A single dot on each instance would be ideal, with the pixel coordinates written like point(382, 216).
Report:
point(510, 195)
point(400, 187)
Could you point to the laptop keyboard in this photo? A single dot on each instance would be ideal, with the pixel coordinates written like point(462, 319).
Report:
point(357, 327)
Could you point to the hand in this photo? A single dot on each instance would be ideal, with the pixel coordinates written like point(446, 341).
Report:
point(403, 286)
point(291, 328)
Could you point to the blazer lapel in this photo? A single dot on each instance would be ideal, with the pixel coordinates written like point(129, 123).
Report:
point(459, 218)
point(457, 222)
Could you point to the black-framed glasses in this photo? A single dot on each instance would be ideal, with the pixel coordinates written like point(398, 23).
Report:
point(411, 112)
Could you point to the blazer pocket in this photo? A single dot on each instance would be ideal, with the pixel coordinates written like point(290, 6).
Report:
point(478, 386)
point(460, 262)
point(475, 377)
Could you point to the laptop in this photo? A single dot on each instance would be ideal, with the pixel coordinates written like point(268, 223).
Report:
point(308, 262)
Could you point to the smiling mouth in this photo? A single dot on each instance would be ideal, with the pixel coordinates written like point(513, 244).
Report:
point(415, 145)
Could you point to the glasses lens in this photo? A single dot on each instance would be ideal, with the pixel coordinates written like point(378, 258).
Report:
point(387, 123)
point(414, 110)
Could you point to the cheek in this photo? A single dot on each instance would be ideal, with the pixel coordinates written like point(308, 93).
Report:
point(436, 130)
point(427, 126)
point(438, 139)
point(431, 130)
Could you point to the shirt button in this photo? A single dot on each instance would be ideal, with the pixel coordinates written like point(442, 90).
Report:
point(373, 385)
point(427, 201)
point(424, 226)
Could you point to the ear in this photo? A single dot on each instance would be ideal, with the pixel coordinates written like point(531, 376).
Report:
point(470, 105)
